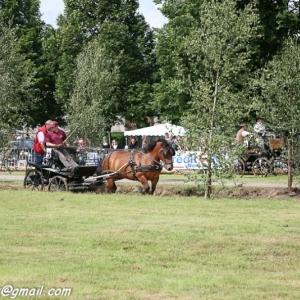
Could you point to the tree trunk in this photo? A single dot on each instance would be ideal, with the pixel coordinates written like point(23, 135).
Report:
point(208, 185)
point(290, 167)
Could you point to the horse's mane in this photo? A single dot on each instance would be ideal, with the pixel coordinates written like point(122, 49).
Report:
point(152, 144)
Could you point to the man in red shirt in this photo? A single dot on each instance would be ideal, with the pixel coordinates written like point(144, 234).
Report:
point(39, 145)
point(56, 138)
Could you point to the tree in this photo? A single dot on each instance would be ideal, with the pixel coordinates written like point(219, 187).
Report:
point(217, 51)
point(277, 20)
point(16, 80)
point(24, 16)
point(93, 99)
point(128, 41)
point(280, 91)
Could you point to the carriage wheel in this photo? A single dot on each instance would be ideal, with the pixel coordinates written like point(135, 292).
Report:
point(261, 166)
point(34, 180)
point(239, 167)
point(58, 184)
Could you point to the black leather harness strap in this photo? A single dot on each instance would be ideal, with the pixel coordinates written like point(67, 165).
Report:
point(132, 164)
point(135, 167)
point(139, 167)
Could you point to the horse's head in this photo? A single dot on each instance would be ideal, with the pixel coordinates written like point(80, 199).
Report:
point(165, 154)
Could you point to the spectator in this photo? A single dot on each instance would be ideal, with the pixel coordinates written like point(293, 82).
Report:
point(176, 143)
point(133, 144)
point(82, 143)
point(104, 144)
point(39, 145)
point(114, 144)
point(167, 137)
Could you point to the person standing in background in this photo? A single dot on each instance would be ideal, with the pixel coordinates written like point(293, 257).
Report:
point(114, 144)
point(104, 144)
point(133, 144)
point(83, 144)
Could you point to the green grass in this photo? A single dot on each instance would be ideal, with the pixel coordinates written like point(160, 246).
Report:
point(144, 247)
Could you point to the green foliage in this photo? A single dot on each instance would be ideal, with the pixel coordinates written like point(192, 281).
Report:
point(280, 88)
point(93, 101)
point(16, 81)
point(217, 52)
point(128, 41)
point(280, 91)
point(31, 34)
point(275, 21)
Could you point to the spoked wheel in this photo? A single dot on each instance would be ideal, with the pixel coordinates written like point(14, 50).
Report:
point(58, 184)
point(34, 180)
point(239, 167)
point(261, 167)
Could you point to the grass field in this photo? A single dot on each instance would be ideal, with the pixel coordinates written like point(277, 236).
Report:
point(144, 247)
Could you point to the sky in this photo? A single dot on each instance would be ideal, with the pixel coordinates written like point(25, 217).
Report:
point(50, 9)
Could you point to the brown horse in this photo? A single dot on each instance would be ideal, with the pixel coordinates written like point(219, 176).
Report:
point(143, 166)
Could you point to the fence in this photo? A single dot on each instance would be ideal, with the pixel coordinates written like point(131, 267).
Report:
point(12, 159)
point(16, 159)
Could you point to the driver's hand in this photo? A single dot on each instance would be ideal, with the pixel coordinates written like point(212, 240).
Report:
point(58, 145)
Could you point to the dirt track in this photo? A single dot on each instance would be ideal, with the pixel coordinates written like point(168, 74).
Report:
point(246, 190)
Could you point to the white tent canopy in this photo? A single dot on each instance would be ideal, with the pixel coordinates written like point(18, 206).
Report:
point(157, 130)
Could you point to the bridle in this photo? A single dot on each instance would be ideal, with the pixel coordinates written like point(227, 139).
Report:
point(167, 165)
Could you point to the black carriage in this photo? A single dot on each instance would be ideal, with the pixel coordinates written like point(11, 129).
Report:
point(264, 159)
point(53, 176)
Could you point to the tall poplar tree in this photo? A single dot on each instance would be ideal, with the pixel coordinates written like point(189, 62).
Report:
point(25, 18)
point(15, 84)
point(93, 99)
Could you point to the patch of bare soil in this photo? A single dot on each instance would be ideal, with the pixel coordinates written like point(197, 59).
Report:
point(10, 187)
point(224, 192)
point(256, 192)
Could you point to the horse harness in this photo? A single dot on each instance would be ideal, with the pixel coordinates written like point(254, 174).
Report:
point(142, 168)
point(138, 167)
